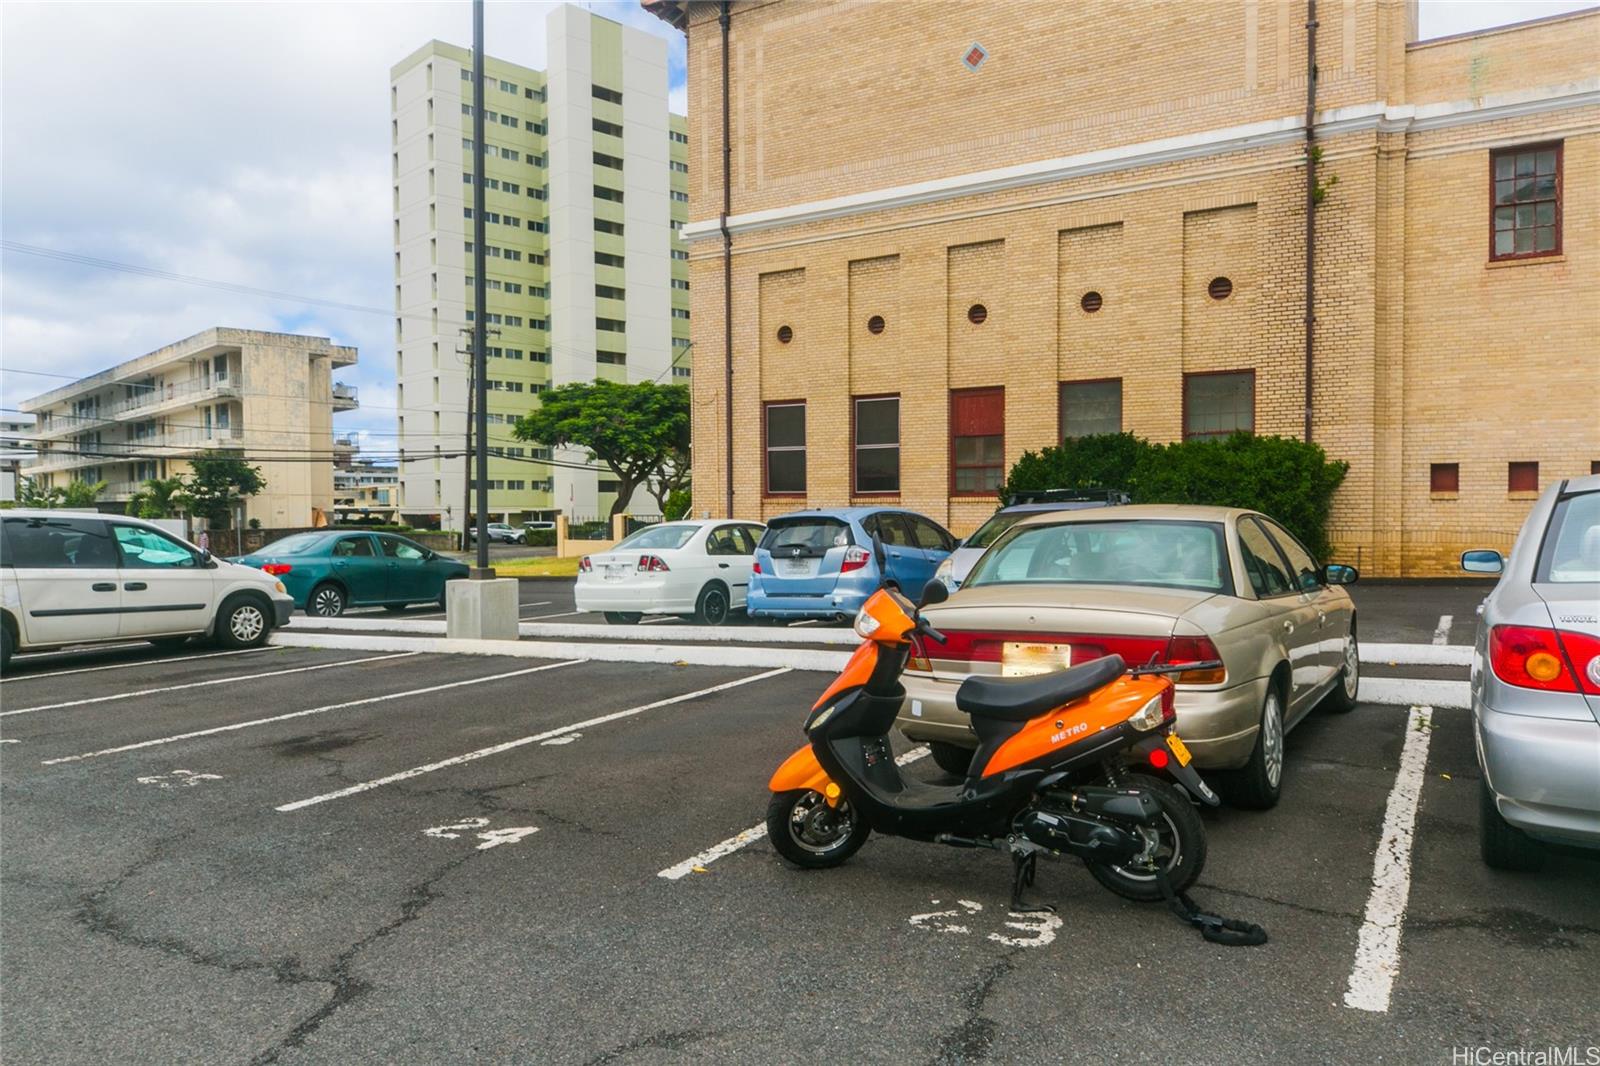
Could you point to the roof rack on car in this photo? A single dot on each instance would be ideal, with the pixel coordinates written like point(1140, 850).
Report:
point(1110, 496)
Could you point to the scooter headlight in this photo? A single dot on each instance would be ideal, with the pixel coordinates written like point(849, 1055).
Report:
point(1150, 716)
point(866, 625)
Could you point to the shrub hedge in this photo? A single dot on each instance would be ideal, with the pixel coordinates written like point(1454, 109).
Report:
point(1287, 479)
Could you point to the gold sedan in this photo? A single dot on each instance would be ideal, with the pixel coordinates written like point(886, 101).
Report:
point(1169, 583)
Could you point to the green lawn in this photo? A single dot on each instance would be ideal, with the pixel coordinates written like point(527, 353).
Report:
point(541, 566)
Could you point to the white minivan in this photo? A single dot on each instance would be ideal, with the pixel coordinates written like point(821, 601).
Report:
point(81, 578)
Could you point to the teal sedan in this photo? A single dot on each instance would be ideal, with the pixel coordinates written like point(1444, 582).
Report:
point(330, 570)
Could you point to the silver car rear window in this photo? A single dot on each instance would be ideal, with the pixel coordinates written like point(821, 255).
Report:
point(1572, 544)
point(1187, 555)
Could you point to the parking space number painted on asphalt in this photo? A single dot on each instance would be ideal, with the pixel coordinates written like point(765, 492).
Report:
point(1039, 928)
point(491, 838)
point(178, 779)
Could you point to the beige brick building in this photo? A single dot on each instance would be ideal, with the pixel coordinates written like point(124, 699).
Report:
point(1019, 220)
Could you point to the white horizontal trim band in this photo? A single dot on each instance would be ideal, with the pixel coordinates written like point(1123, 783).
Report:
point(1404, 118)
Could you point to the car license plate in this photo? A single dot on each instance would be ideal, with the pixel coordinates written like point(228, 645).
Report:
point(796, 567)
point(615, 571)
point(1023, 659)
point(1180, 750)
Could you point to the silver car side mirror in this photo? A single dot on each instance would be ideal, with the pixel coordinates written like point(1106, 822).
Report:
point(1482, 561)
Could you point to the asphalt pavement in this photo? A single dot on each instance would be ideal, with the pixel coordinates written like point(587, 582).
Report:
point(301, 855)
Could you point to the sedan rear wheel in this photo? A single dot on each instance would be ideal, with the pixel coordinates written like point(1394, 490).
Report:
point(327, 601)
point(1503, 845)
point(712, 607)
point(623, 618)
point(1259, 784)
point(1342, 698)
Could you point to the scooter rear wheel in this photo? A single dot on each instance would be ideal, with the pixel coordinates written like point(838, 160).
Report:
point(1180, 846)
point(809, 833)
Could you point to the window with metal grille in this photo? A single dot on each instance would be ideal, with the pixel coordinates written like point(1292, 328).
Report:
point(977, 441)
point(608, 95)
point(786, 448)
point(610, 129)
point(1090, 407)
point(1218, 405)
point(1525, 190)
point(877, 445)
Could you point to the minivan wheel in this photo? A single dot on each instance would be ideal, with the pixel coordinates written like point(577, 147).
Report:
point(242, 623)
point(325, 601)
point(1503, 845)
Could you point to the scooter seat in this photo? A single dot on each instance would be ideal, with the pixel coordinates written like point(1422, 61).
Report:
point(1017, 699)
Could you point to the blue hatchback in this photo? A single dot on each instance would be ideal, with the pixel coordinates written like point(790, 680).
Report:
point(819, 564)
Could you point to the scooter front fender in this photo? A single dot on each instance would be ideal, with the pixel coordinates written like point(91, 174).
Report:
point(800, 771)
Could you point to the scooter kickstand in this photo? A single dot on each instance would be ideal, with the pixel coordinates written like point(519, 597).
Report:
point(1023, 867)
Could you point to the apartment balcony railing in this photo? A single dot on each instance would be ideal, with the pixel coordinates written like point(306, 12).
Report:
point(146, 402)
point(175, 443)
point(345, 397)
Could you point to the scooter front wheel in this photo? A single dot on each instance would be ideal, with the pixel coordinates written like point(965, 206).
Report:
point(1177, 842)
point(809, 833)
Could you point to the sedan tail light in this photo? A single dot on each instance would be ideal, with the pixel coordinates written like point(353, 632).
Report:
point(585, 566)
point(275, 569)
point(653, 564)
point(855, 557)
point(1530, 657)
point(1583, 652)
point(1196, 650)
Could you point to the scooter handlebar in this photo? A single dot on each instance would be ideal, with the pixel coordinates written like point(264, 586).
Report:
point(932, 634)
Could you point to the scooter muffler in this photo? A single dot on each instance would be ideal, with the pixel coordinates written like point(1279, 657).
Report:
point(1080, 834)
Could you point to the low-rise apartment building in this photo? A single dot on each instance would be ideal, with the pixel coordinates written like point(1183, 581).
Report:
point(269, 396)
point(959, 232)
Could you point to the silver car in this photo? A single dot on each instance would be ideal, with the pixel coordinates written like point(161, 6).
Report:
point(1536, 682)
point(1175, 583)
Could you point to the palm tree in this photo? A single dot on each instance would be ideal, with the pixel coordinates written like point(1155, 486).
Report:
point(82, 494)
point(157, 499)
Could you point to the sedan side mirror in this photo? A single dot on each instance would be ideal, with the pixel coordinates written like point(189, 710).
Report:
point(1482, 561)
point(1339, 574)
point(933, 592)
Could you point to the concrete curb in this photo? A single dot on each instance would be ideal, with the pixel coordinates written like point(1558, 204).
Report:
point(580, 631)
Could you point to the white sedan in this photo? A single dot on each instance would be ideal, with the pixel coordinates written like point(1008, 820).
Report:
point(697, 570)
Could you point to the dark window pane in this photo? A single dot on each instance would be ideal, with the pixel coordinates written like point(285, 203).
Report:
point(1522, 477)
point(1525, 164)
point(59, 543)
point(1544, 239)
point(1218, 404)
point(786, 471)
point(878, 421)
point(1502, 166)
point(1089, 407)
point(978, 479)
point(1546, 163)
point(928, 534)
point(878, 470)
point(1444, 477)
point(786, 426)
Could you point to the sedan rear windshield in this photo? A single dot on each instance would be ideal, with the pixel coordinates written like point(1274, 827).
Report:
point(813, 535)
point(663, 537)
point(1572, 546)
point(990, 531)
point(1187, 555)
point(294, 544)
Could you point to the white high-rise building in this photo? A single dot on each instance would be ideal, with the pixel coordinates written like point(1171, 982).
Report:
point(586, 188)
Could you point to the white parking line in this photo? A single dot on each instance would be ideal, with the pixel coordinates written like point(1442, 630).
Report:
point(560, 614)
point(203, 684)
point(1378, 950)
point(1441, 632)
point(140, 662)
point(538, 603)
point(484, 753)
point(1411, 691)
point(301, 714)
point(749, 836)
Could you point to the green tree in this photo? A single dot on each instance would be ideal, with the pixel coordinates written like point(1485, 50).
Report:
point(636, 430)
point(158, 498)
point(79, 494)
point(218, 480)
point(31, 494)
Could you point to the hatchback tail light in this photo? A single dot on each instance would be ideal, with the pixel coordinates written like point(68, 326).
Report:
point(653, 564)
point(584, 565)
point(1547, 659)
point(276, 569)
point(755, 568)
point(1196, 650)
point(855, 557)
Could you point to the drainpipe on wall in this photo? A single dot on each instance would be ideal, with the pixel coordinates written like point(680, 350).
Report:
point(727, 266)
point(1311, 201)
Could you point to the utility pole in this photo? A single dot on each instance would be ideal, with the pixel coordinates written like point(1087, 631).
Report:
point(466, 455)
point(480, 347)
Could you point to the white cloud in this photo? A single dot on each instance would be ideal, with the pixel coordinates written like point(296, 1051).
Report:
point(1441, 18)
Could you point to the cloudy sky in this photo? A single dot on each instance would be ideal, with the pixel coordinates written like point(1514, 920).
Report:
point(245, 143)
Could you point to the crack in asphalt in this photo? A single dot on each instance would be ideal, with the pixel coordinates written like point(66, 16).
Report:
point(661, 1040)
point(971, 1039)
point(1303, 908)
point(1510, 925)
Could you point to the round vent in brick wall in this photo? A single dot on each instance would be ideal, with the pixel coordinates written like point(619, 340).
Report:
point(785, 334)
point(875, 324)
point(1220, 288)
point(1091, 302)
point(977, 314)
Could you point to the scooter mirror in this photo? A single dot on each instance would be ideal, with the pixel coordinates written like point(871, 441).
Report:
point(934, 592)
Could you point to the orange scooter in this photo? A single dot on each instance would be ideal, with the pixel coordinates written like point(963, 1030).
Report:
point(1080, 762)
